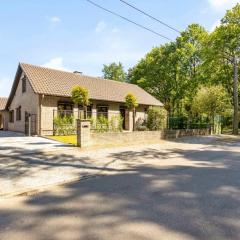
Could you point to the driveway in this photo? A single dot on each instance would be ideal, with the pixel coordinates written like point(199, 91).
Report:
point(186, 190)
point(10, 142)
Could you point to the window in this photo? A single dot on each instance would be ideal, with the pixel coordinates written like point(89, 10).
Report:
point(65, 109)
point(24, 84)
point(11, 116)
point(102, 111)
point(18, 114)
point(89, 111)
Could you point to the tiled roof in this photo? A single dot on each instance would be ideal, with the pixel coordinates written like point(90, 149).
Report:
point(3, 102)
point(60, 83)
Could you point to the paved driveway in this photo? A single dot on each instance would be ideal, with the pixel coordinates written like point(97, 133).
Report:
point(187, 190)
point(10, 142)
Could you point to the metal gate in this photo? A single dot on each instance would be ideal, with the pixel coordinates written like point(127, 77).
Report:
point(30, 123)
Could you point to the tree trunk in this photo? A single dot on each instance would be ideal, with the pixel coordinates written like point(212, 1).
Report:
point(235, 97)
point(134, 112)
point(85, 112)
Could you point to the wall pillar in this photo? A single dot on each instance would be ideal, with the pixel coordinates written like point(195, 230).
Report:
point(83, 133)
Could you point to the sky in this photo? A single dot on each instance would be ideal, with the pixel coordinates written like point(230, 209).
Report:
point(75, 35)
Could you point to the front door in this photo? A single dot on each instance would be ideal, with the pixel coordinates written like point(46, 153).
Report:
point(123, 115)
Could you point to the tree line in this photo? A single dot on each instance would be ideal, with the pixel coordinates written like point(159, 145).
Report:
point(195, 74)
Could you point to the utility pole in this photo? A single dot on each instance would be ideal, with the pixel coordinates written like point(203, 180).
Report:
point(235, 96)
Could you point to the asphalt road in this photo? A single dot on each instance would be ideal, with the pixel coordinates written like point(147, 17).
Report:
point(195, 196)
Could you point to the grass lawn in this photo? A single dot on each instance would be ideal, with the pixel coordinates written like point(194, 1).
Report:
point(71, 139)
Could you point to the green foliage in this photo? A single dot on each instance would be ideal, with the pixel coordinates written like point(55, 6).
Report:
point(102, 124)
point(172, 72)
point(116, 123)
point(131, 101)
point(211, 101)
point(141, 125)
point(184, 123)
point(156, 119)
point(80, 96)
point(114, 71)
point(64, 125)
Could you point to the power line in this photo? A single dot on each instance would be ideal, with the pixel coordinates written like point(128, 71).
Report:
point(150, 16)
point(126, 19)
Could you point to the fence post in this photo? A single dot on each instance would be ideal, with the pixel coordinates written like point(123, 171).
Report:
point(83, 133)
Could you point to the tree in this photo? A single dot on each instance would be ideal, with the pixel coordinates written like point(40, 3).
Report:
point(211, 101)
point(114, 71)
point(225, 52)
point(172, 72)
point(131, 104)
point(80, 96)
point(157, 119)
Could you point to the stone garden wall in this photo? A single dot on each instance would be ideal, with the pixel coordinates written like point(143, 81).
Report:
point(143, 136)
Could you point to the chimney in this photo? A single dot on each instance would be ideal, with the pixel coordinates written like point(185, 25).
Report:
point(77, 72)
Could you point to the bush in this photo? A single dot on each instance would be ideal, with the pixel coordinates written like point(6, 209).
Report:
point(102, 124)
point(141, 125)
point(64, 125)
point(115, 123)
point(157, 119)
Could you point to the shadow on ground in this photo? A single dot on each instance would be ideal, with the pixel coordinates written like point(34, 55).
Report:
point(146, 202)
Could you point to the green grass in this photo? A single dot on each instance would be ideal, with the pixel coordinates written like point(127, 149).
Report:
point(71, 139)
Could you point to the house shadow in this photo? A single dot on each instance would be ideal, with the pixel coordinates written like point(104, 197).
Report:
point(199, 201)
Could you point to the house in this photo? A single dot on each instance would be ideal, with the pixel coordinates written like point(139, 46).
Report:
point(3, 102)
point(39, 93)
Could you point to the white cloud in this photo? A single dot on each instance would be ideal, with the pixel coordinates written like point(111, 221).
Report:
point(56, 63)
point(222, 4)
point(101, 26)
point(55, 19)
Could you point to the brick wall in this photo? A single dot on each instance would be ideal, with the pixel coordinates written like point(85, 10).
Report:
point(144, 136)
point(28, 102)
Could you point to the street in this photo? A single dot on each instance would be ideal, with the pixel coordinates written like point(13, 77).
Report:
point(189, 190)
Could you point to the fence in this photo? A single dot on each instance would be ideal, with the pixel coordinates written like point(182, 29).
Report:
point(185, 123)
point(64, 121)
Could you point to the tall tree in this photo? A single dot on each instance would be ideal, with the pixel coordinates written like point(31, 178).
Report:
point(172, 71)
point(80, 96)
point(211, 100)
point(225, 52)
point(114, 71)
point(131, 104)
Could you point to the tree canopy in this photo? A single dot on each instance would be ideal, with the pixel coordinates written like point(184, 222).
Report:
point(211, 100)
point(80, 95)
point(114, 71)
point(175, 71)
point(131, 101)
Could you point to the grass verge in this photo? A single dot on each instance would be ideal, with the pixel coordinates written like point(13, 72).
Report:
point(71, 139)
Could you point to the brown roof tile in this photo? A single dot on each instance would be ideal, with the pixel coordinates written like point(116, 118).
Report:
point(3, 102)
point(60, 83)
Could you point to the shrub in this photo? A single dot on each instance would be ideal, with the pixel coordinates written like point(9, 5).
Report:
point(141, 125)
point(102, 124)
point(115, 123)
point(157, 118)
point(64, 125)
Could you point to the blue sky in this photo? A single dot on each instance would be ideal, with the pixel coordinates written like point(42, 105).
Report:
point(74, 35)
